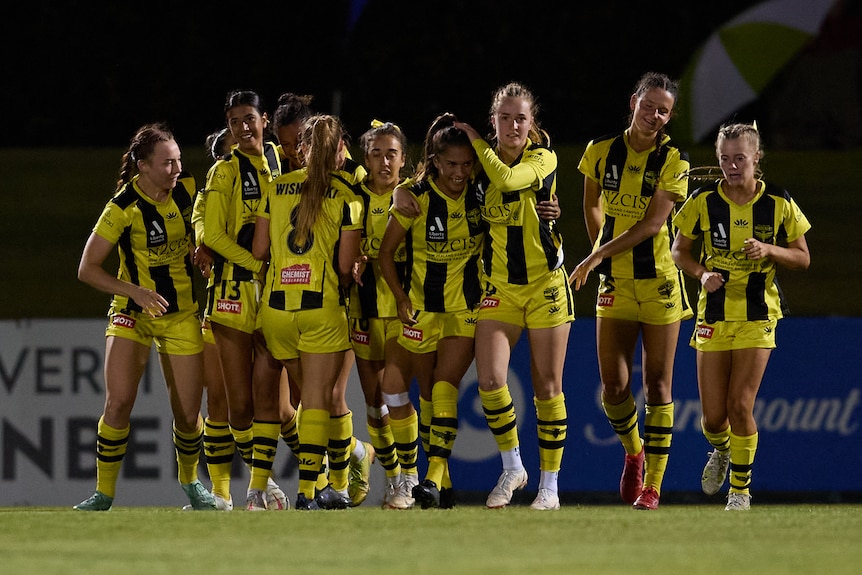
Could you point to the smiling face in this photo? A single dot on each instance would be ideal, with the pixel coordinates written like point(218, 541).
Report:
point(247, 124)
point(651, 111)
point(454, 166)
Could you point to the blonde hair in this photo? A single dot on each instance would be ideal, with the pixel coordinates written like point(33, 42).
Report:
point(741, 130)
point(321, 136)
point(517, 90)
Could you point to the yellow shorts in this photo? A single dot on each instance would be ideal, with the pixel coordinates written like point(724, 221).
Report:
point(234, 304)
point(289, 333)
point(369, 336)
point(174, 334)
point(656, 301)
point(431, 327)
point(730, 335)
point(545, 303)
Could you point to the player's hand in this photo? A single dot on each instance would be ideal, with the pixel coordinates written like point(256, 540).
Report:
point(151, 302)
point(405, 312)
point(755, 250)
point(711, 281)
point(549, 210)
point(578, 277)
point(359, 268)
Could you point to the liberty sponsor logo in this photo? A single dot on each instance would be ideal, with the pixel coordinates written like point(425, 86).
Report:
point(296, 274)
point(412, 333)
point(228, 306)
point(704, 331)
point(156, 235)
point(123, 321)
point(719, 237)
point(611, 180)
point(436, 231)
point(490, 302)
point(605, 300)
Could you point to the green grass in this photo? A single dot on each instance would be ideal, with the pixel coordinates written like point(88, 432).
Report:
point(50, 199)
point(613, 539)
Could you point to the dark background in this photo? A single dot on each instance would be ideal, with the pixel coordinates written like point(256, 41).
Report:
point(90, 73)
point(78, 78)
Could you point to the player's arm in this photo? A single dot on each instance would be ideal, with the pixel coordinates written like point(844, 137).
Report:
point(592, 208)
point(92, 273)
point(392, 238)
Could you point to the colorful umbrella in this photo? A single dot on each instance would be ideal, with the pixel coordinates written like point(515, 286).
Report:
point(740, 59)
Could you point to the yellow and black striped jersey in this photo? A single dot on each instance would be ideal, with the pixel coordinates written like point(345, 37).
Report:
point(306, 277)
point(374, 298)
point(750, 291)
point(153, 240)
point(628, 180)
point(519, 247)
point(233, 191)
point(443, 247)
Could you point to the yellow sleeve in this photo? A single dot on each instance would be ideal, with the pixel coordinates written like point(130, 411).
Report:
point(534, 165)
point(219, 195)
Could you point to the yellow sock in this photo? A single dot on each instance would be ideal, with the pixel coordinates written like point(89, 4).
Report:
point(443, 429)
point(720, 440)
point(384, 444)
point(742, 450)
point(244, 439)
point(265, 447)
point(111, 444)
point(623, 418)
point(314, 424)
point(552, 425)
point(340, 445)
point(290, 433)
point(188, 450)
point(406, 434)
point(219, 448)
point(500, 415)
point(658, 432)
point(426, 414)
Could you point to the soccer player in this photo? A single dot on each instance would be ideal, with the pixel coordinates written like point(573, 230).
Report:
point(436, 303)
point(344, 477)
point(748, 228)
point(374, 324)
point(149, 221)
point(309, 225)
point(631, 187)
point(233, 192)
point(525, 288)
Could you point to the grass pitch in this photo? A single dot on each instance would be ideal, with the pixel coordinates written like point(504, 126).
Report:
point(597, 539)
